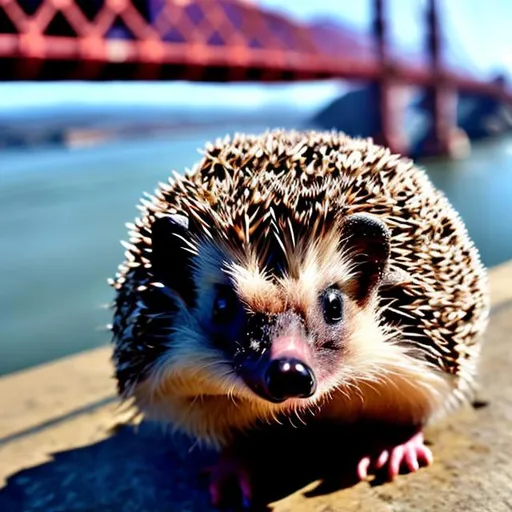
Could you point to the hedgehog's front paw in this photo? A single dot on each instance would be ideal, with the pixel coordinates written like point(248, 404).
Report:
point(409, 456)
point(230, 480)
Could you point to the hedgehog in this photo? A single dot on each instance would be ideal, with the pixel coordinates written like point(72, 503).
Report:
point(298, 274)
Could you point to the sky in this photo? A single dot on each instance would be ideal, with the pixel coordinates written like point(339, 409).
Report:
point(479, 31)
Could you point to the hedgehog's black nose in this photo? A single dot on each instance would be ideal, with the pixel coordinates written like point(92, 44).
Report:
point(289, 378)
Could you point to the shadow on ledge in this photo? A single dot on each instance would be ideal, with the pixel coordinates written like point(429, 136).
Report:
point(143, 470)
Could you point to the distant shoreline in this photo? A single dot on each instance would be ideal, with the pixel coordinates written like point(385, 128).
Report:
point(83, 132)
point(81, 137)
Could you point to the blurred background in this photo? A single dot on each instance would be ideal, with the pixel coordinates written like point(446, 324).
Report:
point(101, 99)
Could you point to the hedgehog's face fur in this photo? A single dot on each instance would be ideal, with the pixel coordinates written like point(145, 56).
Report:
point(297, 309)
point(258, 330)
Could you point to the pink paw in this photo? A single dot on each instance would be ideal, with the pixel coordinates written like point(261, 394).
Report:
point(411, 455)
point(228, 475)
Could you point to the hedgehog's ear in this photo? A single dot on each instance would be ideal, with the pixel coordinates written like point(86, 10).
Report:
point(367, 241)
point(170, 259)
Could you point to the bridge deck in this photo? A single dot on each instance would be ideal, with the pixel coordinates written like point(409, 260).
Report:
point(197, 40)
point(58, 453)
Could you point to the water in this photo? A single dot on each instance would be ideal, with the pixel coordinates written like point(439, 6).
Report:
point(480, 188)
point(62, 214)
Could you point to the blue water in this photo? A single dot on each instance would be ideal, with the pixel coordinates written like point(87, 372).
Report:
point(62, 214)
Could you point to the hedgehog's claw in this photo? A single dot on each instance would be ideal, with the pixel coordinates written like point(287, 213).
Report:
point(409, 456)
point(229, 474)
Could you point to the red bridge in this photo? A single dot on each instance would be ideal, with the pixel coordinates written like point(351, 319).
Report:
point(221, 40)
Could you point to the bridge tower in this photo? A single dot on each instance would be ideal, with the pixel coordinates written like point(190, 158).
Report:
point(444, 136)
point(387, 88)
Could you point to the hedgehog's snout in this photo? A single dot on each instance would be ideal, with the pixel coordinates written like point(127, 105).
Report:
point(284, 372)
point(289, 378)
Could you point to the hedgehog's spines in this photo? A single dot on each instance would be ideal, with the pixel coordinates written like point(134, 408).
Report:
point(263, 193)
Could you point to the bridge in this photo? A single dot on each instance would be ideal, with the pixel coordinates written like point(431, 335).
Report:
point(227, 41)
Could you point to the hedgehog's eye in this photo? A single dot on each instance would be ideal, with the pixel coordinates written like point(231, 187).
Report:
point(224, 306)
point(332, 303)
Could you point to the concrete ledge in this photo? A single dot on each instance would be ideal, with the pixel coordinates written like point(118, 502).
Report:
point(57, 451)
point(32, 397)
